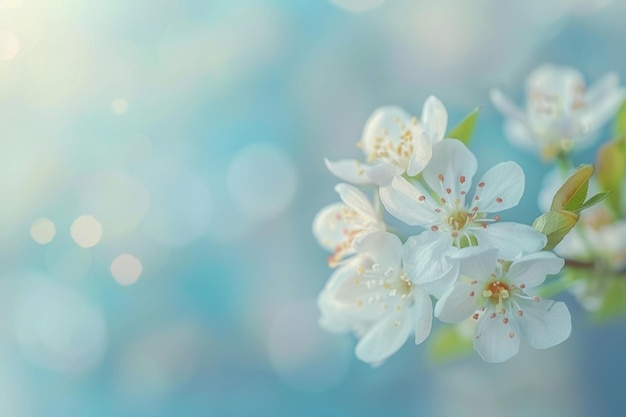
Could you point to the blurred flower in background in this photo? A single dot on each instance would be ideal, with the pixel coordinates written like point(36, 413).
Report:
point(160, 165)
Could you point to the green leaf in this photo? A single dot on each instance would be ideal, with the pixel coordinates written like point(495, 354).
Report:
point(447, 343)
point(571, 196)
point(464, 130)
point(619, 125)
point(555, 224)
point(593, 201)
point(611, 162)
point(614, 302)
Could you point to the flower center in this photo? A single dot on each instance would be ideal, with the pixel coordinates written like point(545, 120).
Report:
point(458, 220)
point(396, 150)
point(497, 291)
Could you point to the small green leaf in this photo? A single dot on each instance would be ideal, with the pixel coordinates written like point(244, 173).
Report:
point(464, 130)
point(571, 196)
point(619, 125)
point(593, 201)
point(447, 343)
point(555, 224)
point(611, 162)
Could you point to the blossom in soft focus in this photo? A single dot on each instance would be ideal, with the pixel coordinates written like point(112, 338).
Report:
point(337, 225)
point(561, 114)
point(439, 205)
point(497, 297)
point(394, 143)
point(371, 295)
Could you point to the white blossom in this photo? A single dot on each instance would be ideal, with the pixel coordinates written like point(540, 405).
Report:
point(439, 205)
point(371, 295)
point(394, 143)
point(500, 300)
point(337, 225)
point(560, 113)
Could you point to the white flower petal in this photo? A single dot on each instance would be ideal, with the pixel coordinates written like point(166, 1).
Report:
point(423, 310)
point(422, 153)
point(382, 173)
point(385, 337)
point(434, 119)
point(608, 84)
point(388, 121)
point(531, 270)
point(500, 188)
point(513, 239)
point(439, 286)
point(459, 302)
point(383, 248)
point(332, 317)
point(545, 323)
point(350, 170)
point(497, 338)
point(560, 81)
point(477, 262)
point(409, 204)
point(450, 170)
point(506, 106)
point(355, 199)
point(329, 225)
point(520, 135)
point(425, 256)
point(598, 113)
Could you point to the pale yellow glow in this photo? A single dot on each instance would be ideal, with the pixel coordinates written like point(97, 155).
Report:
point(9, 45)
point(42, 231)
point(126, 269)
point(86, 231)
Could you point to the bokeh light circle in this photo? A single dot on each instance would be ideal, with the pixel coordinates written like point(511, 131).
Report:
point(126, 269)
point(262, 181)
point(119, 106)
point(303, 355)
point(86, 231)
point(57, 327)
point(42, 231)
point(9, 45)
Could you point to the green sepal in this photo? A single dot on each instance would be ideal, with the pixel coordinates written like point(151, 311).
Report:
point(572, 194)
point(555, 224)
point(465, 129)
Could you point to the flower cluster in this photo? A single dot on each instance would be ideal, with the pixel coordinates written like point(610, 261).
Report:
point(463, 262)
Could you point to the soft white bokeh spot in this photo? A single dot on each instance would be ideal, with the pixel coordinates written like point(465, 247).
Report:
point(9, 45)
point(119, 106)
point(126, 269)
point(86, 231)
point(42, 231)
point(118, 200)
point(262, 181)
point(57, 327)
point(358, 6)
point(303, 355)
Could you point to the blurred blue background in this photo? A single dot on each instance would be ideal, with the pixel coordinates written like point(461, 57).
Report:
point(160, 165)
